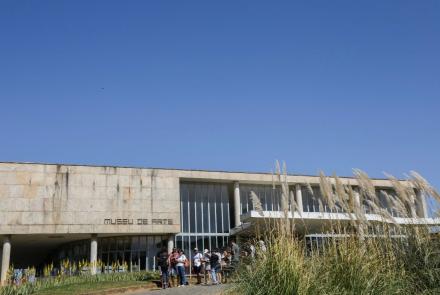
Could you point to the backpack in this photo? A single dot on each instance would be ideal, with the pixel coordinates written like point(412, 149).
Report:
point(162, 259)
point(214, 259)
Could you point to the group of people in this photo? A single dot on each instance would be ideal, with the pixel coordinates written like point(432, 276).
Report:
point(213, 265)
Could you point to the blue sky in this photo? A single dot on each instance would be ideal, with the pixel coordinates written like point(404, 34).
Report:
point(223, 85)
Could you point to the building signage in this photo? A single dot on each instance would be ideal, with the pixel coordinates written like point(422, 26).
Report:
point(139, 221)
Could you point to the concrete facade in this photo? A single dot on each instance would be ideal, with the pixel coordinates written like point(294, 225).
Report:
point(48, 205)
point(59, 199)
point(75, 199)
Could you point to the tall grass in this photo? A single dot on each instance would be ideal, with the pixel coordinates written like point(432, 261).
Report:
point(362, 257)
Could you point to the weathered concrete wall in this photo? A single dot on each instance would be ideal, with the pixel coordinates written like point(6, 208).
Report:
point(48, 198)
point(38, 198)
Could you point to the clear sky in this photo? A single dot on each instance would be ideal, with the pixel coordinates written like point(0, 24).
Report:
point(223, 85)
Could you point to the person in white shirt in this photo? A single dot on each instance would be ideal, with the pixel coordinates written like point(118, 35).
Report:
point(197, 264)
point(181, 261)
point(207, 265)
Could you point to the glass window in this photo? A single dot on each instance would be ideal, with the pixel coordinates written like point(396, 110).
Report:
point(205, 213)
point(184, 208)
point(143, 243)
point(206, 205)
point(313, 201)
point(243, 199)
point(193, 244)
point(135, 262)
point(213, 243)
point(383, 196)
point(206, 244)
point(225, 209)
point(199, 243)
point(186, 245)
point(218, 209)
point(220, 242)
point(199, 212)
point(151, 251)
point(120, 243)
point(143, 260)
point(103, 244)
point(269, 197)
point(191, 208)
point(179, 242)
point(134, 243)
point(212, 217)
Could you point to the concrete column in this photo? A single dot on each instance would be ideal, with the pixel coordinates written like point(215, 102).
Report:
point(421, 199)
point(358, 205)
point(413, 206)
point(171, 244)
point(299, 198)
point(93, 253)
point(357, 200)
point(6, 256)
point(237, 211)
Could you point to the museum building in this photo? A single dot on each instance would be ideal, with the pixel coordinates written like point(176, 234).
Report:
point(52, 212)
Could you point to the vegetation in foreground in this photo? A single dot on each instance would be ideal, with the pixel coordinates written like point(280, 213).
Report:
point(363, 257)
point(81, 283)
point(90, 287)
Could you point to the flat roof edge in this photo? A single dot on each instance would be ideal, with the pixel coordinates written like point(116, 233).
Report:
point(173, 169)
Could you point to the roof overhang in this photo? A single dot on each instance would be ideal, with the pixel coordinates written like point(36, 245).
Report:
point(317, 222)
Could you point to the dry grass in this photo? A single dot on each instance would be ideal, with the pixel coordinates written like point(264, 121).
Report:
point(368, 257)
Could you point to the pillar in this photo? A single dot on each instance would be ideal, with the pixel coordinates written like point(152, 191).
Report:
point(421, 199)
point(170, 244)
point(299, 198)
point(6, 256)
point(358, 205)
point(357, 200)
point(412, 207)
point(237, 211)
point(93, 253)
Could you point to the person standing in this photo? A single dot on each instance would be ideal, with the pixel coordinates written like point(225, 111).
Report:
point(172, 262)
point(197, 264)
point(181, 261)
point(207, 265)
point(215, 266)
point(162, 262)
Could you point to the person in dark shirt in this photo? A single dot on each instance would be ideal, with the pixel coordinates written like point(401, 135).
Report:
point(162, 262)
point(215, 266)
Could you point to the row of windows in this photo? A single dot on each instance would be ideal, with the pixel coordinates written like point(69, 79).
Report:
point(204, 208)
point(270, 197)
point(137, 252)
point(189, 242)
point(205, 213)
point(313, 201)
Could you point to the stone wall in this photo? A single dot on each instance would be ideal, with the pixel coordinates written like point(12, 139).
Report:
point(77, 199)
point(51, 199)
